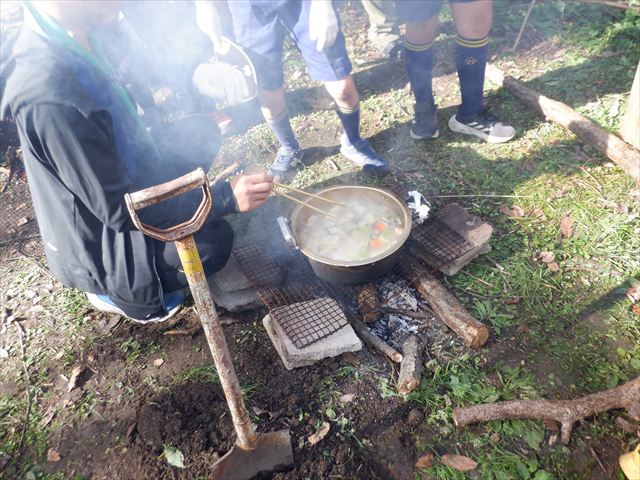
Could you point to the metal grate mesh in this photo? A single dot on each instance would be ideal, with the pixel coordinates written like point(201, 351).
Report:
point(307, 322)
point(437, 244)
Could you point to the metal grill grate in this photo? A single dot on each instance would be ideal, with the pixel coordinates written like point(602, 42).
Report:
point(437, 244)
point(307, 322)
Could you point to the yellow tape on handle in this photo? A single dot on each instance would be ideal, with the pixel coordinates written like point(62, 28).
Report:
point(190, 260)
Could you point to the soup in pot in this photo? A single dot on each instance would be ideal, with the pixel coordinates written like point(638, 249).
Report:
point(365, 227)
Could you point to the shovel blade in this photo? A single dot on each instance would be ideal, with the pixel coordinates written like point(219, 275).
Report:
point(273, 451)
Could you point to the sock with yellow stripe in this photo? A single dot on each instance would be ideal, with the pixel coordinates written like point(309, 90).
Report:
point(418, 60)
point(471, 60)
point(350, 118)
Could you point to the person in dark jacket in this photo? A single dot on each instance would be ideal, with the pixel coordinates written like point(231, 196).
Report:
point(85, 145)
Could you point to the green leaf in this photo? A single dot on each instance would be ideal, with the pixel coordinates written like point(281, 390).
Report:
point(174, 457)
point(621, 352)
point(330, 413)
point(533, 438)
point(635, 363)
point(543, 475)
point(612, 381)
point(523, 472)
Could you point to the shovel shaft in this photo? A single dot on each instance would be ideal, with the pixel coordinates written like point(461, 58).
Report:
point(192, 266)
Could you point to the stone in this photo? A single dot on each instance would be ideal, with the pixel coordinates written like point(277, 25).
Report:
point(238, 301)
point(231, 278)
point(469, 227)
point(340, 341)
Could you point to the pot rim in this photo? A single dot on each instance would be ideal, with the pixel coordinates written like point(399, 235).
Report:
point(356, 263)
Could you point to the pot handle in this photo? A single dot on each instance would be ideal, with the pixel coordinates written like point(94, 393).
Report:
point(285, 229)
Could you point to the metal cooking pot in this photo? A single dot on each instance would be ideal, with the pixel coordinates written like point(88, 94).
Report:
point(349, 272)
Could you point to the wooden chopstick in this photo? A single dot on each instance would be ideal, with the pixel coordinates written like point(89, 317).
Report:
point(302, 192)
point(304, 204)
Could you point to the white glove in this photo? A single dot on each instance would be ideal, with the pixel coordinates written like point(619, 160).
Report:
point(323, 24)
point(221, 81)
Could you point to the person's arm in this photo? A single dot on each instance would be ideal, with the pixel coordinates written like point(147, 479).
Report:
point(83, 157)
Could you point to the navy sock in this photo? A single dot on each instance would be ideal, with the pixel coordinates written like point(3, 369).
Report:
point(471, 61)
point(281, 127)
point(418, 60)
point(350, 118)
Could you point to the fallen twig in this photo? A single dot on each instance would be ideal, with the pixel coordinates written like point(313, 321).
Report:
point(565, 412)
point(524, 24)
point(370, 339)
point(623, 5)
point(479, 195)
point(25, 423)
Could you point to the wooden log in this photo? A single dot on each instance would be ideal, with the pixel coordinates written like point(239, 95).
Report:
point(446, 307)
point(620, 152)
point(411, 365)
point(368, 300)
point(374, 342)
point(630, 125)
point(565, 412)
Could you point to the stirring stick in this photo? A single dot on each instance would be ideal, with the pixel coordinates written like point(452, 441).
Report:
point(302, 192)
point(304, 204)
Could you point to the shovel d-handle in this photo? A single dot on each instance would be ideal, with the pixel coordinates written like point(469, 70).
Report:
point(159, 193)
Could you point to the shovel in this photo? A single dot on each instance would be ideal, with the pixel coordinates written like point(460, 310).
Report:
point(252, 452)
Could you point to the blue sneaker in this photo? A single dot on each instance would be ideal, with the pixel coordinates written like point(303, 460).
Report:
point(286, 165)
point(173, 302)
point(364, 155)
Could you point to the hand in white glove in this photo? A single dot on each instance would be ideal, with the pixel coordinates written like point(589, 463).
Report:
point(323, 24)
point(221, 81)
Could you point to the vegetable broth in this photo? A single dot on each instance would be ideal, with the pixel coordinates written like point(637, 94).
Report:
point(365, 227)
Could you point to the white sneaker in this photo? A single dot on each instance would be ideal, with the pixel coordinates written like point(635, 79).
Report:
point(174, 301)
point(484, 126)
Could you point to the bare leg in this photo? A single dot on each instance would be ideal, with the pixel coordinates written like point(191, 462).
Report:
point(272, 103)
point(473, 20)
point(344, 92)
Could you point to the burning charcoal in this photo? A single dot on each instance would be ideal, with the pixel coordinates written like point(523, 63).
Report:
point(368, 302)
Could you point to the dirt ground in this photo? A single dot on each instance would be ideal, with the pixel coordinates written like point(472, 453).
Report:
point(141, 389)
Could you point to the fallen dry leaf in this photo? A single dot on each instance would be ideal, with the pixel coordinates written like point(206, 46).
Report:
point(347, 398)
point(553, 266)
point(546, 257)
point(566, 227)
point(459, 462)
point(23, 221)
point(320, 434)
point(53, 456)
point(636, 309)
point(425, 461)
point(633, 294)
point(512, 300)
point(537, 212)
point(621, 208)
point(512, 211)
point(73, 379)
point(259, 411)
point(158, 362)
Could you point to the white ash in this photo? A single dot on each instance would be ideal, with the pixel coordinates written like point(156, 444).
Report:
point(395, 328)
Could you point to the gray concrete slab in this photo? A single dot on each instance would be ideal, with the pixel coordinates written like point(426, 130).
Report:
point(238, 301)
point(341, 341)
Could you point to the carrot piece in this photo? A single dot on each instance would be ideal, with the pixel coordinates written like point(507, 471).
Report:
point(375, 243)
point(380, 226)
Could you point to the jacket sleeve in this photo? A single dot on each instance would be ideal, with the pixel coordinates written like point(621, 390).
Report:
point(83, 157)
point(82, 153)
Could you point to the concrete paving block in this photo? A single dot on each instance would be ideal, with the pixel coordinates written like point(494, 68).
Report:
point(238, 301)
point(341, 341)
point(473, 229)
point(231, 278)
